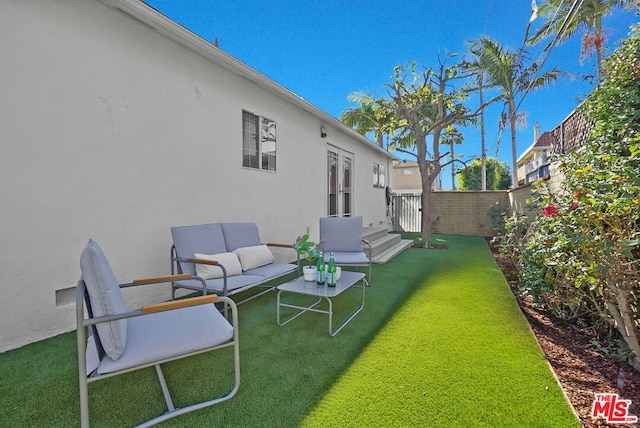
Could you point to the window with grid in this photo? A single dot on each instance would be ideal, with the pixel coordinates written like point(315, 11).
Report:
point(378, 175)
point(258, 142)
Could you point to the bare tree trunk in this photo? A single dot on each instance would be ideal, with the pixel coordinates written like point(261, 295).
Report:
point(598, 46)
point(483, 158)
point(623, 317)
point(453, 169)
point(425, 179)
point(426, 216)
point(514, 148)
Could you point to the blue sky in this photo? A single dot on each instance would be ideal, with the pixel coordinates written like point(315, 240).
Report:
point(325, 50)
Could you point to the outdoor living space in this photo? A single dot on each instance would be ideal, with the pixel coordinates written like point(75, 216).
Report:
point(441, 342)
point(479, 306)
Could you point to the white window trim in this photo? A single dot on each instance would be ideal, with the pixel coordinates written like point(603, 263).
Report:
point(379, 179)
point(266, 135)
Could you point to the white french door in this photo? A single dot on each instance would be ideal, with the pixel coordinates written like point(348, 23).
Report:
point(339, 184)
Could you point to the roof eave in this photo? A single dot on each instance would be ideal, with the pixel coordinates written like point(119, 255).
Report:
point(188, 39)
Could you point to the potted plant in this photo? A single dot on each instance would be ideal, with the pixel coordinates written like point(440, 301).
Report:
point(309, 251)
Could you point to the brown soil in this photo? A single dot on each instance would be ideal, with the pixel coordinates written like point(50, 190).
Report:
point(581, 369)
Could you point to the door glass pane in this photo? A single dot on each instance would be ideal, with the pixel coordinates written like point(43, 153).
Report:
point(332, 173)
point(346, 186)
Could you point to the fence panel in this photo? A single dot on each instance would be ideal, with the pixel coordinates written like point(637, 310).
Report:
point(406, 212)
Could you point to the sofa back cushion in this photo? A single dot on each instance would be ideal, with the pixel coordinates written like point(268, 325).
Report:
point(105, 298)
point(201, 238)
point(238, 235)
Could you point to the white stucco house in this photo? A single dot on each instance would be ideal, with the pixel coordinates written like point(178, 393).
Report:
point(117, 123)
point(535, 162)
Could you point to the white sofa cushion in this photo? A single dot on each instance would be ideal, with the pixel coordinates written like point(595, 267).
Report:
point(253, 257)
point(228, 260)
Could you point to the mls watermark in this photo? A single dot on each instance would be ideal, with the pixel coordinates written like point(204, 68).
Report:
point(613, 409)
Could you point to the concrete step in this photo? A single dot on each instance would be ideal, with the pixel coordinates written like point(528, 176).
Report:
point(373, 233)
point(386, 241)
point(393, 251)
point(384, 245)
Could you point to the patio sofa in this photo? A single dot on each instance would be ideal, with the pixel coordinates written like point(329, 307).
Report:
point(226, 258)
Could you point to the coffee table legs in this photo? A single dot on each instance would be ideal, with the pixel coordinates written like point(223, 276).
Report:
point(361, 307)
point(304, 309)
point(312, 308)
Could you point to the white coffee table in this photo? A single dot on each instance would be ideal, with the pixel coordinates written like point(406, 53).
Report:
point(305, 288)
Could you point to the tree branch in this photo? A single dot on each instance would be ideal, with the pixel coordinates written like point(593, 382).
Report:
point(407, 152)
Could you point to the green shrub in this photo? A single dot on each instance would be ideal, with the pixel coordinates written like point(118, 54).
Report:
point(580, 255)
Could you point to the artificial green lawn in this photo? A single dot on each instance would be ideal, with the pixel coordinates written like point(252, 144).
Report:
point(441, 342)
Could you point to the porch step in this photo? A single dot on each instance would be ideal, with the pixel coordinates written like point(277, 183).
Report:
point(373, 233)
point(384, 245)
point(391, 252)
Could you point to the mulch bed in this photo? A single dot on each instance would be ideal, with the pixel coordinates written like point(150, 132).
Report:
point(581, 369)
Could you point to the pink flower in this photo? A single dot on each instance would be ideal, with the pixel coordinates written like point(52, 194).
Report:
point(573, 206)
point(551, 211)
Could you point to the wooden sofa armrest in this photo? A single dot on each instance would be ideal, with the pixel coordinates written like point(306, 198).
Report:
point(182, 303)
point(203, 262)
point(157, 279)
point(272, 244)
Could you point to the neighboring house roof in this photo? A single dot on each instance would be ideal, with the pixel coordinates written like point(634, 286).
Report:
point(405, 164)
point(183, 36)
point(544, 142)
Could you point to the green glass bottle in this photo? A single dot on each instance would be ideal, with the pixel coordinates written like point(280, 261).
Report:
point(320, 267)
point(331, 272)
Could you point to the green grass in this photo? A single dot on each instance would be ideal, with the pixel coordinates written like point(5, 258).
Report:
point(441, 342)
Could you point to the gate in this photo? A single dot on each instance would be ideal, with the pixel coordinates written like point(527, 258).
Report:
point(406, 212)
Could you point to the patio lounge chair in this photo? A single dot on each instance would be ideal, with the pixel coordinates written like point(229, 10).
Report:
point(342, 236)
point(122, 341)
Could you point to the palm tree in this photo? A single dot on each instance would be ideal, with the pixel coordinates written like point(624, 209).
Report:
point(585, 14)
point(365, 118)
point(452, 136)
point(505, 69)
point(372, 118)
point(474, 66)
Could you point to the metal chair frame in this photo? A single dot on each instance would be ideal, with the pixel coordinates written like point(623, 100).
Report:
point(82, 301)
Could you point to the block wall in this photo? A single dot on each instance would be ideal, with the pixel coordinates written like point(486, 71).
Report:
point(468, 212)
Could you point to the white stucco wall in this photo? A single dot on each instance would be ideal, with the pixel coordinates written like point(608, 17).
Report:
point(111, 131)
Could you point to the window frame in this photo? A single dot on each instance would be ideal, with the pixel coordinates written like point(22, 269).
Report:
point(256, 141)
point(379, 179)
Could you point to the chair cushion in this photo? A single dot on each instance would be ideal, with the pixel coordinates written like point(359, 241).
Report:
point(341, 234)
point(348, 258)
point(105, 298)
point(253, 257)
point(272, 270)
point(159, 336)
point(217, 285)
point(201, 238)
point(238, 235)
point(228, 260)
